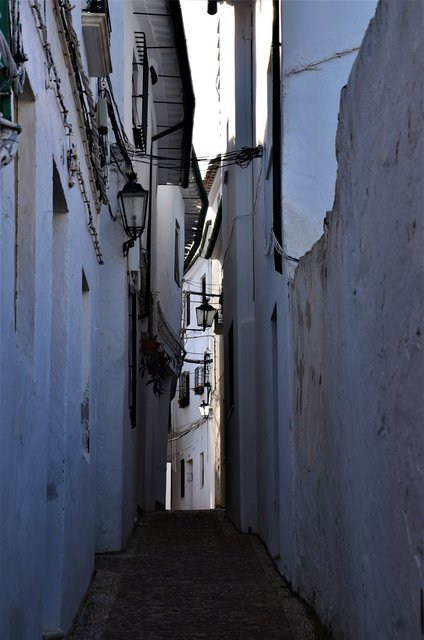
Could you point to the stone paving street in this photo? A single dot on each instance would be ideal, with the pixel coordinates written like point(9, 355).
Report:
point(190, 575)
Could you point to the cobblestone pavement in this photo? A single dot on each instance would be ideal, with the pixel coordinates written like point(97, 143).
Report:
point(190, 575)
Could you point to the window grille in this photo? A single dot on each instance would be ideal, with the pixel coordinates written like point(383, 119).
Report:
point(198, 381)
point(140, 97)
point(184, 389)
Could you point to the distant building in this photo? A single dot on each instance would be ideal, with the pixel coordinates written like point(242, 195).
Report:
point(195, 440)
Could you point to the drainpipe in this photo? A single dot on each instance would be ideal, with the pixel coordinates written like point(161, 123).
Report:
point(276, 133)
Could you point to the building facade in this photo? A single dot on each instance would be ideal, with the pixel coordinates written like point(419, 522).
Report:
point(307, 438)
point(195, 441)
point(84, 413)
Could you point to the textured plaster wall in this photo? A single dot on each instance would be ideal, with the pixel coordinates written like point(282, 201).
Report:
point(357, 308)
point(46, 473)
point(319, 44)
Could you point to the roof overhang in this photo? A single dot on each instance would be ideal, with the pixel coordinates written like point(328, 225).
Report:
point(173, 96)
point(195, 209)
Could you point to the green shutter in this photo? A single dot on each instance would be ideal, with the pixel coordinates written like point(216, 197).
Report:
point(5, 95)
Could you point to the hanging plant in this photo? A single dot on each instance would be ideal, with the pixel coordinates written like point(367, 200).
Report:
point(154, 363)
point(150, 345)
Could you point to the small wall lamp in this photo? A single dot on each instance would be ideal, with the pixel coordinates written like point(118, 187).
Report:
point(132, 201)
point(204, 409)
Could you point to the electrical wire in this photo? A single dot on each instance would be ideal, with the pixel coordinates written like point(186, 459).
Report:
point(192, 426)
point(241, 158)
point(64, 113)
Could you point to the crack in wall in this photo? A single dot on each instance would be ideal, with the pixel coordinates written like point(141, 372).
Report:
point(315, 66)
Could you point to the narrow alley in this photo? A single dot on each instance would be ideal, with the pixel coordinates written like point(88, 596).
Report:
point(211, 319)
point(190, 574)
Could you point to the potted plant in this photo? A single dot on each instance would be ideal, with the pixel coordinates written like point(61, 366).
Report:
point(155, 364)
point(150, 345)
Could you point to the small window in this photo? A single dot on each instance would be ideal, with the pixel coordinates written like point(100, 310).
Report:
point(184, 390)
point(198, 381)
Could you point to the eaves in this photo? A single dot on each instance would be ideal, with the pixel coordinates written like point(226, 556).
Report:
point(173, 96)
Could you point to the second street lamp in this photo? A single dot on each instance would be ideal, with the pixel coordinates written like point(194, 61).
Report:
point(204, 409)
point(205, 315)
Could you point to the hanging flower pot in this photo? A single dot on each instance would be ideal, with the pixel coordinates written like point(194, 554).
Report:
point(155, 365)
point(150, 345)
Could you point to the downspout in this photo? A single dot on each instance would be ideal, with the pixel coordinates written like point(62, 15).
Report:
point(149, 247)
point(276, 134)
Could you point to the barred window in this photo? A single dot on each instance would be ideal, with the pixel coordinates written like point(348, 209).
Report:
point(198, 381)
point(184, 389)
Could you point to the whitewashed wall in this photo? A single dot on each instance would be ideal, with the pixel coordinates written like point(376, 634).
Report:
point(118, 441)
point(202, 440)
point(255, 295)
point(170, 211)
point(320, 41)
point(48, 363)
point(357, 303)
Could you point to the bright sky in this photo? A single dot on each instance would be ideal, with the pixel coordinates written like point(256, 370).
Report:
point(201, 34)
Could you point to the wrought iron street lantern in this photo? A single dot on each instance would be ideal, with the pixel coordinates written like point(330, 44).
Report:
point(132, 201)
point(205, 315)
point(204, 409)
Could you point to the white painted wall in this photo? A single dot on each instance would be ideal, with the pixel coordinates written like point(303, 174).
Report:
point(118, 441)
point(170, 212)
point(48, 365)
point(320, 41)
point(357, 302)
point(199, 448)
point(64, 351)
point(338, 400)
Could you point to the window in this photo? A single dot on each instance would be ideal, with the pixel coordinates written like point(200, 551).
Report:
point(198, 381)
point(177, 253)
point(184, 390)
